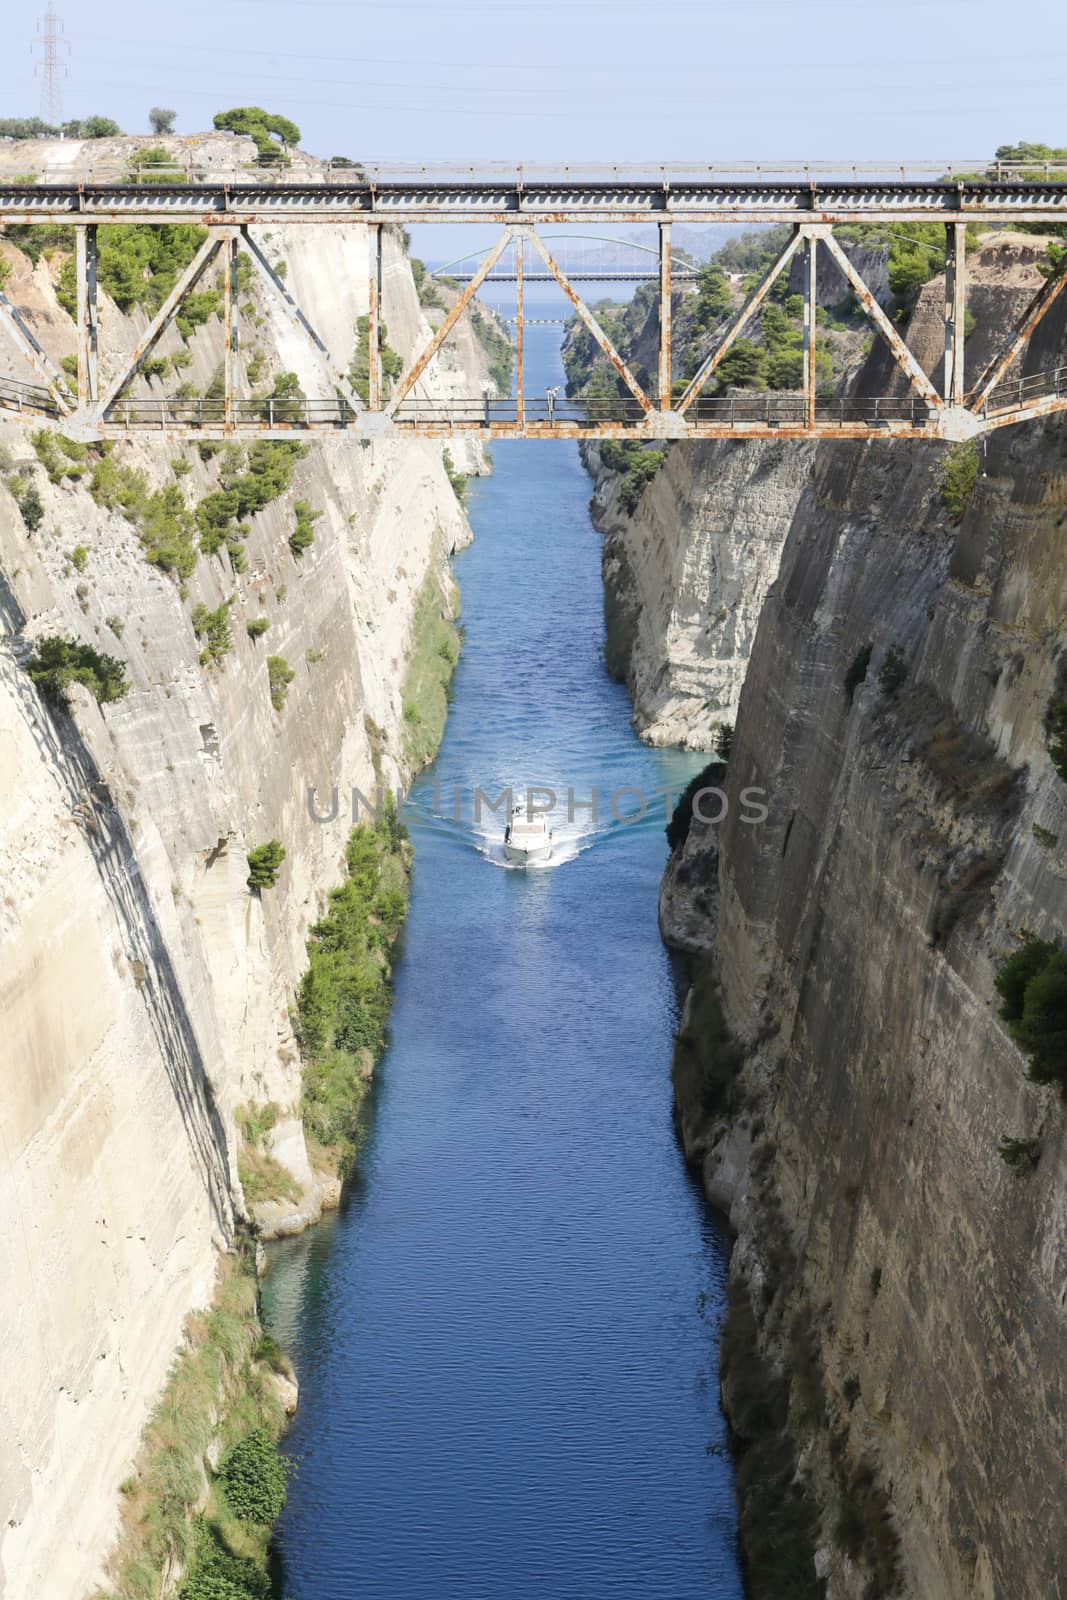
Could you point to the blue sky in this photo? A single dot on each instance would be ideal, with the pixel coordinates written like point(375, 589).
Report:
point(572, 79)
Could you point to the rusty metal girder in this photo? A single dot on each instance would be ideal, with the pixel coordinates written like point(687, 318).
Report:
point(187, 281)
point(37, 356)
point(664, 382)
point(414, 373)
point(901, 354)
point(338, 378)
point(592, 324)
point(955, 311)
point(1013, 343)
point(739, 324)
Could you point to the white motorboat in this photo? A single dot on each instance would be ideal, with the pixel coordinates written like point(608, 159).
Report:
point(527, 836)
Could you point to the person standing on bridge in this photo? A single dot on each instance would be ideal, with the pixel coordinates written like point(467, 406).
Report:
point(550, 396)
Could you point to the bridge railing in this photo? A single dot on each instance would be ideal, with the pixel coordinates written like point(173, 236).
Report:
point(1016, 394)
point(31, 397)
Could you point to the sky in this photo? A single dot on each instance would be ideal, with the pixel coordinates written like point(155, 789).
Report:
point(573, 81)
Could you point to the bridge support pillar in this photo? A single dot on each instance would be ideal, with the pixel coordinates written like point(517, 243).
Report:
point(520, 334)
point(374, 320)
point(664, 316)
point(811, 245)
point(86, 312)
point(229, 289)
point(955, 310)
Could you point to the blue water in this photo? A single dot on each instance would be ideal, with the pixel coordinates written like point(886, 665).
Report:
point(507, 1339)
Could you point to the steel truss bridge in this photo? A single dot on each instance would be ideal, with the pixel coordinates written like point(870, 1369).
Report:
point(811, 202)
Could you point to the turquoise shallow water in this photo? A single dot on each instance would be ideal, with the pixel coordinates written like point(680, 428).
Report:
point(507, 1339)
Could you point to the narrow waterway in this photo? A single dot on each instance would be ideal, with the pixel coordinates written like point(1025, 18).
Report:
point(507, 1339)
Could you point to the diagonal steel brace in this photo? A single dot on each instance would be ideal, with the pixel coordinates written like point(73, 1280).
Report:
point(1013, 343)
point(739, 324)
point(188, 280)
point(38, 357)
point(415, 372)
point(271, 278)
point(591, 323)
point(900, 352)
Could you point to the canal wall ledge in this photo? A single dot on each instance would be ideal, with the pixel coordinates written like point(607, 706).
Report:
point(146, 993)
point(896, 1294)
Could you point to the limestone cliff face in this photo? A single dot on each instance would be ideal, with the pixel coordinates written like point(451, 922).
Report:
point(685, 578)
point(687, 572)
point(145, 992)
point(911, 834)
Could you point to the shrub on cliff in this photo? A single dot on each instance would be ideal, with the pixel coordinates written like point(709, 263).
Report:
point(1057, 737)
point(1032, 985)
point(253, 1478)
point(344, 995)
point(264, 864)
point(270, 131)
point(713, 776)
point(958, 476)
point(56, 663)
point(279, 676)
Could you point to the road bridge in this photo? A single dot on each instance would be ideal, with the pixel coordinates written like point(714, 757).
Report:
point(811, 200)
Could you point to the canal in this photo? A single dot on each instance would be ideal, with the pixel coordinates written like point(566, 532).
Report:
point(506, 1340)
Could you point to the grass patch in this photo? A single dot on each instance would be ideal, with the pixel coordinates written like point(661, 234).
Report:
point(434, 653)
point(262, 1176)
point(218, 1390)
point(345, 994)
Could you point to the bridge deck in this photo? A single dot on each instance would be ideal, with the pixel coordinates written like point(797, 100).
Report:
point(248, 198)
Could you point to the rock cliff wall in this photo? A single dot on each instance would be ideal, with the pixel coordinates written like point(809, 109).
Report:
point(906, 1280)
point(145, 992)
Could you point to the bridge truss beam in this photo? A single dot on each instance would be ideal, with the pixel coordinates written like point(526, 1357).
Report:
point(107, 409)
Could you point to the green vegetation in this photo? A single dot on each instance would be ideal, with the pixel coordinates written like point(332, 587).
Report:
point(457, 479)
point(1045, 836)
point(303, 535)
point(638, 463)
point(58, 662)
point(1032, 985)
point(262, 1176)
point(220, 1391)
point(79, 558)
point(1056, 725)
point(60, 457)
point(435, 651)
point(36, 128)
point(214, 628)
point(714, 297)
point(257, 627)
point(139, 266)
point(724, 740)
point(345, 994)
point(270, 132)
point(958, 476)
point(31, 508)
point(248, 484)
point(428, 292)
point(279, 676)
point(161, 120)
point(497, 347)
point(893, 671)
point(713, 776)
point(264, 864)
point(1022, 1155)
point(164, 523)
point(857, 672)
point(359, 369)
point(254, 1478)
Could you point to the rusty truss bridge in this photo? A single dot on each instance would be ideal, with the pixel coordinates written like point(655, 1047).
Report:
point(811, 201)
